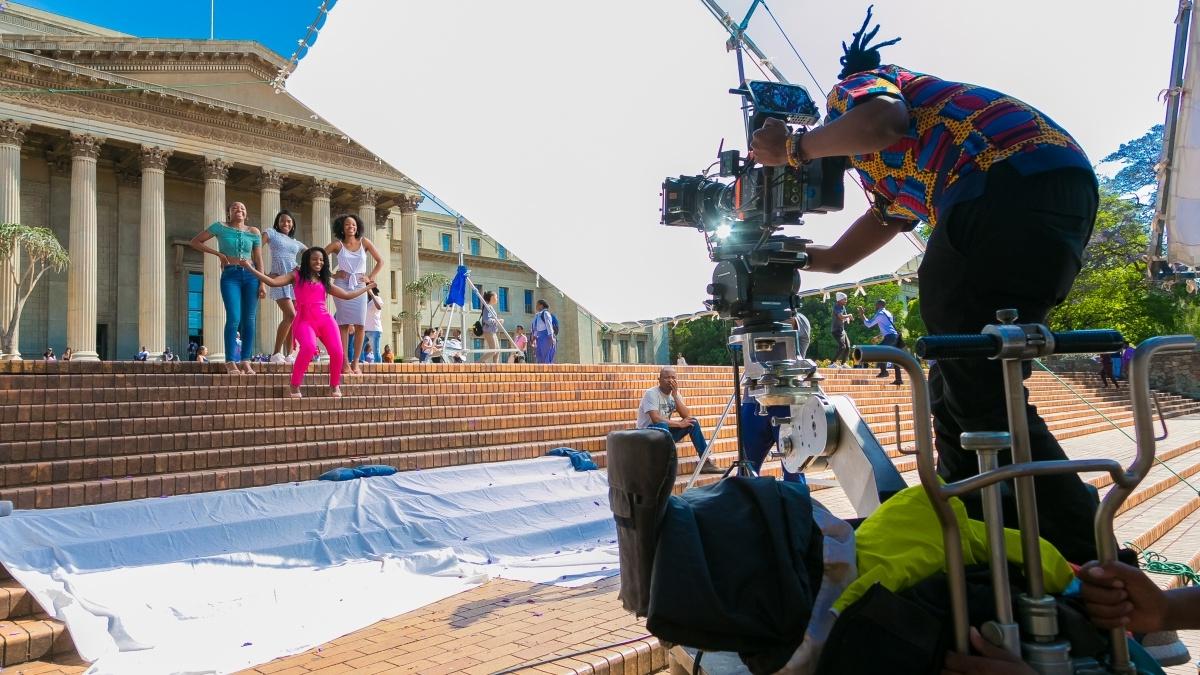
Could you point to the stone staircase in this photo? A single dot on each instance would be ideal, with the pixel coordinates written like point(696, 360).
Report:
point(90, 433)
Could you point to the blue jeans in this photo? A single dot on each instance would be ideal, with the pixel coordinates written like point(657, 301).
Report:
point(677, 434)
point(758, 435)
point(371, 336)
point(239, 292)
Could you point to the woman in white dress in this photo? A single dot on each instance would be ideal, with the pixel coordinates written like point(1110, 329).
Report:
point(285, 251)
point(352, 250)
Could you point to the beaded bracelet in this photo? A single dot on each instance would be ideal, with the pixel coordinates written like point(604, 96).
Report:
point(795, 154)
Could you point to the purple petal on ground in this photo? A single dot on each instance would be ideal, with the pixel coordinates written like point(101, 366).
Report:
point(529, 602)
point(537, 613)
point(247, 644)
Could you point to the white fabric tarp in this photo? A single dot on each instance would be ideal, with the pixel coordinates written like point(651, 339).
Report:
point(220, 581)
point(1183, 202)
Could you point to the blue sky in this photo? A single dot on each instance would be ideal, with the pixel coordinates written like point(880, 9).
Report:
point(278, 24)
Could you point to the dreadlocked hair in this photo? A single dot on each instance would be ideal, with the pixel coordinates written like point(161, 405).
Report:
point(858, 57)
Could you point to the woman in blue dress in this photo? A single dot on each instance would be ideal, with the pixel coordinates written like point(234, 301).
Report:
point(285, 251)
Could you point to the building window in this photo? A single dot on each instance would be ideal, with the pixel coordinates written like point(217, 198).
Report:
point(474, 298)
point(641, 347)
point(445, 292)
point(529, 302)
point(419, 232)
point(503, 293)
point(392, 276)
point(474, 246)
point(606, 350)
point(505, 344)
point(501, 252)
point(478, 342)
point(447, 242)
point(195, 308)
point(624, 351)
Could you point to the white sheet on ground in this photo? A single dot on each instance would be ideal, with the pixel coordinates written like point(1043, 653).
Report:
point(220, 581)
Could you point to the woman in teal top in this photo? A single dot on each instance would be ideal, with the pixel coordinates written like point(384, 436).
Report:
point(240, 290)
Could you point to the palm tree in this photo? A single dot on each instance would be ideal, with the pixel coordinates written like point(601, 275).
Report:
point(40, 251)
point(424, 289)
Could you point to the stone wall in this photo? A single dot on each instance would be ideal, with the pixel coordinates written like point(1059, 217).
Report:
point(1174, 373)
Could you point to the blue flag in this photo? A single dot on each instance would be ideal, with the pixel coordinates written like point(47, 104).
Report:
point(457, 295)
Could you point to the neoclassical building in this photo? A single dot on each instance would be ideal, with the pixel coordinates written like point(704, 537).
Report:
point(126, 147)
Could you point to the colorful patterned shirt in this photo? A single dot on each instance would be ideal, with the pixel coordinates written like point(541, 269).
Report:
point(956, 133)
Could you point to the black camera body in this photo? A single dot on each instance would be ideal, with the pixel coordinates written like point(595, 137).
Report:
point(757, 275)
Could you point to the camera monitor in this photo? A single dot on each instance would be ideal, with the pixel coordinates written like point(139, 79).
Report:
point(788, 102)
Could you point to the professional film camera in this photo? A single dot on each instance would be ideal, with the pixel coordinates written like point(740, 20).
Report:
point(755, 284)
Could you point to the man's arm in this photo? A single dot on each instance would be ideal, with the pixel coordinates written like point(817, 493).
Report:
point(864, 236)
point(868, 127)
point(1118, 595)
point(680, 407)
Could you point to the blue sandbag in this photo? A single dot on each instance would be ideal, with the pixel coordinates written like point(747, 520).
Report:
point(364, 471)
point(581, 460)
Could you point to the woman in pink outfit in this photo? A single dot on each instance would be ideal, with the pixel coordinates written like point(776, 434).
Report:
point(311, 281)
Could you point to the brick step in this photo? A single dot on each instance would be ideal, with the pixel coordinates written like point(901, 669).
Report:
point(1181, 544)
point(32, 638)
point(15, 601)
point(264, 385)
point(113, 457)
point(237, 419)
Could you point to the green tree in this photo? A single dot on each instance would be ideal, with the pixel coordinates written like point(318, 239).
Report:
point(37, 250)
point(1111, 290)
point(1137, 180)
point(914, 325)
point(702, 342)
point(424, 289)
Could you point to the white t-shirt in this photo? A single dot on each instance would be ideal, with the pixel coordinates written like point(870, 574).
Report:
point(655, 399)
point(374, 322)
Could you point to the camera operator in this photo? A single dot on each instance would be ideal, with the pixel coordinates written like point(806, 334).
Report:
point(1011, 199)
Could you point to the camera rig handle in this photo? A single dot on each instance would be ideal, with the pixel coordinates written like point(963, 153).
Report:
point(1125, 479)
point(990, 345)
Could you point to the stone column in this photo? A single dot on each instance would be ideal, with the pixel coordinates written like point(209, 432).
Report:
point(320, 192)
point(12, 135)
point(81, 276)
point(365, 198)
point(410, 269)
point(269, 315)
point(383, 242)
point(216, 170)
point(152, 252)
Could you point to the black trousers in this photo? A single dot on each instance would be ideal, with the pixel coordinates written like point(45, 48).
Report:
point(843, 350)
point(1019, 245)
point(892, 341)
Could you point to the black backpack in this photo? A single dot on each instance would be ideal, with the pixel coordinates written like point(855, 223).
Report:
point(477, 329)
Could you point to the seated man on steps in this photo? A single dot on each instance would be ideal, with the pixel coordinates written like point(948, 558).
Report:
point(664, 400)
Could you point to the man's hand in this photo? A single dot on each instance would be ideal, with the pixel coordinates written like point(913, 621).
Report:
point(1120, 596)
point(769, 143)
point(992, 660)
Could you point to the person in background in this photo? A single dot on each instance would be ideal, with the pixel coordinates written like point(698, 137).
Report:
point(374, 326)
point(368, 355)
point(313, 322)
point(142, 355)
point(452, 349)
point(168, 356)
point(1127, 353)
point(662, 401)
point(841, 317)
point(491, 321)
point(240, 291)
point(521, 342)
point(192, 349)
point(202, 354)
point(68, 354)
point(1106, 369)
point(352, 250)
point(890, 336)
point(48, 355)
point(426, 348)
point(388, 356)
point(285, 250)
point(545, 333)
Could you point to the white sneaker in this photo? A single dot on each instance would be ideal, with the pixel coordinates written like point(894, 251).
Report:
point(278, 358)
point(291, 358)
